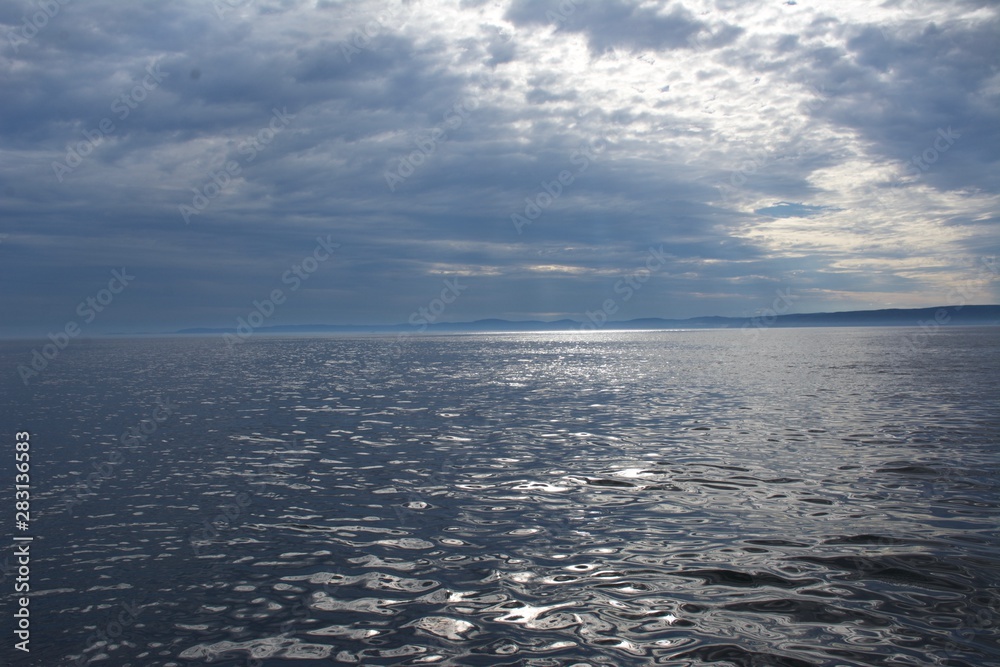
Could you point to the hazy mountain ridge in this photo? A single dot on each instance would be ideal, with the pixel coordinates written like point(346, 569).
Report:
point(925, 317)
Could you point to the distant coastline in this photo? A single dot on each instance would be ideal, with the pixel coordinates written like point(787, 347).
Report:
point(908, 317)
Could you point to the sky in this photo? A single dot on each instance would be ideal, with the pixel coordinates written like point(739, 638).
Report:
point(171, 164)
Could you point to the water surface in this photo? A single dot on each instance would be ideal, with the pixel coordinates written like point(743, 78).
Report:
point(798, 497)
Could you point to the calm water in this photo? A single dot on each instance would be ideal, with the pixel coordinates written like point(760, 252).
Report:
point(801, 497)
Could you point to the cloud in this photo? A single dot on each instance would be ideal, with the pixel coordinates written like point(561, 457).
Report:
point(619, 24)
point(417, 130)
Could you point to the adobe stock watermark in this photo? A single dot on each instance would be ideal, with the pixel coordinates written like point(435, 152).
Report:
point(705, 38)
point(764, 318)
point(222, 7)
point(299, 612)
point(130, 436)
point(981, 620)
point(294, 614)
point(942, 143)
point(424, 316)
point(122, 106)
point(760, 160)
point(87, 310)
point(452, 119)
point(295, 276)
point(34, 24)
point(113, 629)
point(504, 34)
point(229, 514)
point(363, 36)
point(557, 17)
point(437, 479)
point(917, 165)
point(550, 191)
point(959, 296)
point(219, 180)
point(562, 13)
point(234, 511)
point(627, 286)
point(407, 165)
point(430, 313)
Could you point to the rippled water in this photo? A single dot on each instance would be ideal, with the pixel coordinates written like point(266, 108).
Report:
point(801, 497)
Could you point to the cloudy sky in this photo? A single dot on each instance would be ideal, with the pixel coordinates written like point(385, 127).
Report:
point(519, 157)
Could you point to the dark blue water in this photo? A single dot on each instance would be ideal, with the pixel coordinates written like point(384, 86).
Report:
point(799, 497)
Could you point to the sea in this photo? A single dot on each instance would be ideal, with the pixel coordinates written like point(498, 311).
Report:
point(755, 497)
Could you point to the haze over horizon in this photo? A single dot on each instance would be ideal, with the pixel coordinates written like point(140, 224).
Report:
point(169, 165)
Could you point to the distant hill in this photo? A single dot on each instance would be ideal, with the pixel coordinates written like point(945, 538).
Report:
point(938, 315)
